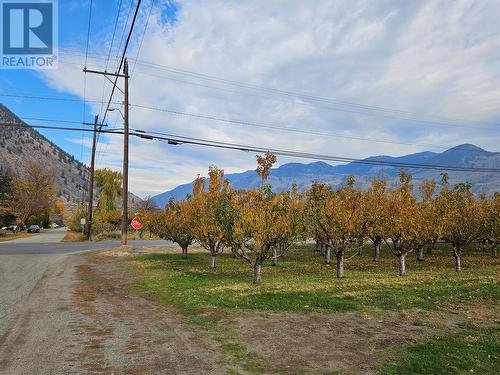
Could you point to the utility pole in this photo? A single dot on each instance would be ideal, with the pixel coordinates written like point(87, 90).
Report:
point(91, 182)
point(125, 143)
point(125, 160)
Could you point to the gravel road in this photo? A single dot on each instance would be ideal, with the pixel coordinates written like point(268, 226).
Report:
point(63, 312)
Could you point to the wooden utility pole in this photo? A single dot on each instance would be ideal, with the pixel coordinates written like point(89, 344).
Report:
point(125, 160)
point(91, 182)
point(125, 144)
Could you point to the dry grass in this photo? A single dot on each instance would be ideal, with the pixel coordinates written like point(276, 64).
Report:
point(73, 237)
point(7, 236)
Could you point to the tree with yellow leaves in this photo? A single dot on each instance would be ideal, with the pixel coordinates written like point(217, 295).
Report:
point(337, 218)
point(489, 223)
point(376, 214)
point(267, 225)
point(33, 194)
point(459, 214)
point(211, 213)
point(404, 230)
point(174, 223)
point(431, 219)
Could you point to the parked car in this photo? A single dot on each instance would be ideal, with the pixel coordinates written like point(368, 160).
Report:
point(54, 225)
point(34, 229)
point(5, 228)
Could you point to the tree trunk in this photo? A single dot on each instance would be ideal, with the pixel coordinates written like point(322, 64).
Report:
point(274, 259)
point(328, 257)
point(494, 251)
point(402, 265)
point(322, 248)
point(318, 247)
point(257, 272)
point(376, 256)
point(420, 253)
point(360, 247)
point(430, 247)
point(185, 252)
point(457, 252)
point(212, 261)
point(340, 265)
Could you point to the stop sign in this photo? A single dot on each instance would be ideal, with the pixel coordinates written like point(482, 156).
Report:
point(136, 224)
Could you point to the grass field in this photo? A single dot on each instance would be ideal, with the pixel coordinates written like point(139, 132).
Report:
point(454, 306)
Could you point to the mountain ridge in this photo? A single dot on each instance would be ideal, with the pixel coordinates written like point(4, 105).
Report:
point(22, 144)
point(281, 177)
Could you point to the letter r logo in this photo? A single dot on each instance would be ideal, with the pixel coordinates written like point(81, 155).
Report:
point(27, 28)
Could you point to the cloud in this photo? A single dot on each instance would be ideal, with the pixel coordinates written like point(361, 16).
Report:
point(432, 58)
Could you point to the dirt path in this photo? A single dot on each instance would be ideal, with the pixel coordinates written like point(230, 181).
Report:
point(120, 332)
point(78, 319)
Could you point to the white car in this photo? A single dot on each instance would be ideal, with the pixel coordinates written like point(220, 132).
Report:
point(54, 226)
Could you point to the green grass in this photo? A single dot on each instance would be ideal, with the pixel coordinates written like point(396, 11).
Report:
point(472, 352)
point(302, 282)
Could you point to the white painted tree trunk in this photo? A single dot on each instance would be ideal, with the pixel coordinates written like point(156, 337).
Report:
point(457, 252)
point(376, 255)
point(275, 260)
point(257, 272)
point(212, 261)
point(328, 255)
point(340, 265)
point(402, 265)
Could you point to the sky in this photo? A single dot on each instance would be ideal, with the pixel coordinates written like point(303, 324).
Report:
point(344, 78)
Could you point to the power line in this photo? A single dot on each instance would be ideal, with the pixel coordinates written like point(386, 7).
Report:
point(354, 108)
point(55, 98)
point(114, 34)
point(176, 140)
point(88, 32)
point(122, 60)
point(85, 76)
point(288, 129)
point(405, 113)
point(143, 35)
point(245, 123)
point(109, 55)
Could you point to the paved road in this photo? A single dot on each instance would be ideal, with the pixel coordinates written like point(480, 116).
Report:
point(49, 242)
point(46, 236)
point(36, 279)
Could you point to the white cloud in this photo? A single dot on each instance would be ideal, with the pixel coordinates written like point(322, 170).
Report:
point(429, 57)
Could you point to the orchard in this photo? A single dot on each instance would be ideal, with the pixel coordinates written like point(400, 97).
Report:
point(259, 225)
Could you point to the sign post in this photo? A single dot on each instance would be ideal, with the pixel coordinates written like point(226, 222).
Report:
point(82, 223)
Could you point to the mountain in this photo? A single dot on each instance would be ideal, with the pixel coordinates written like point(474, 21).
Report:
point(22, 145)
point(465, 155)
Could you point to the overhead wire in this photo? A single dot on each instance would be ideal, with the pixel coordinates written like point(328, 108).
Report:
point(177, 140)
point(85, 76)
point(354, 108)
point(247, 123)
point(103, 120)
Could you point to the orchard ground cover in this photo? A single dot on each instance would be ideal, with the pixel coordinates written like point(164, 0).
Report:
point(305, 320)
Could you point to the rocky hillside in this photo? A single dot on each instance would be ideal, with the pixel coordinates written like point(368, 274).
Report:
point(465, 155)
point(24, 145)
point(20, 146)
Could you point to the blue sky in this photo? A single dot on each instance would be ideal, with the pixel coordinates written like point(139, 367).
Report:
point(391, 71)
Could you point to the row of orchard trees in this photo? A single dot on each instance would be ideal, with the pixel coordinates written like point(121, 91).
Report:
point(259, 225)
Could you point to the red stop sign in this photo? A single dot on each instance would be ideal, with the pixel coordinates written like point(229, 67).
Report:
point(136, 224)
